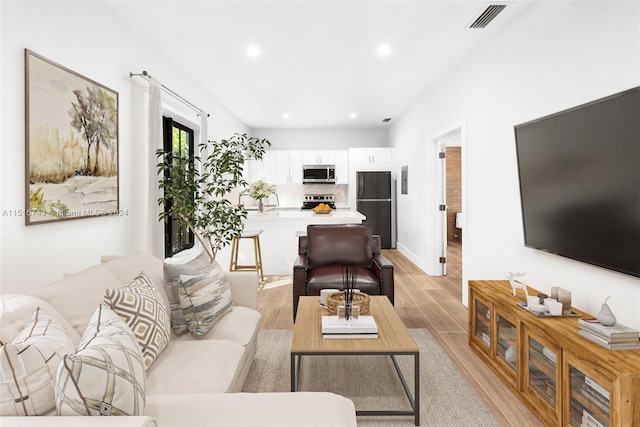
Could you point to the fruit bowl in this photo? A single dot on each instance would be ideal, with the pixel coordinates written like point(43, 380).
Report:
point(322, 209)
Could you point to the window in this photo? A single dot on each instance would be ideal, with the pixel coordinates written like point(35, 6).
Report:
point(178, 140)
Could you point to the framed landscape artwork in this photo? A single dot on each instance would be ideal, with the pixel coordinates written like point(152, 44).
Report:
point(71, 144)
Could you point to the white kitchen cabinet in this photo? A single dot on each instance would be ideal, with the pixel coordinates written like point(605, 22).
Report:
point(367, 159)
point(371, 155)
point(295, 167)
point(265, 169)
point(253, 169)
point(342, 166)
point(319, 157)
point(288, 167)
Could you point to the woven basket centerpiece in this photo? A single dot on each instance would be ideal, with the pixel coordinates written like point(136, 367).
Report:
point(337, 298)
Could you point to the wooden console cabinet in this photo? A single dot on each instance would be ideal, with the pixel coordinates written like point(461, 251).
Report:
point(565, 379)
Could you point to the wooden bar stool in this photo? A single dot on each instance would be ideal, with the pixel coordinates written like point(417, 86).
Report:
point(235, 243)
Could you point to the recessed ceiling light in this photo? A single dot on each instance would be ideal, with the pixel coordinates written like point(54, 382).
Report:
point(384, 50)
point(353, 115)
point(253, 51)
point(285, 116)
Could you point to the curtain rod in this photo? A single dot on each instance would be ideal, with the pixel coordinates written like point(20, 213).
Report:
point(145, 75)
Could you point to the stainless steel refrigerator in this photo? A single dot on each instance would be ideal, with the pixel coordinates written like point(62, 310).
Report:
point(373, 200)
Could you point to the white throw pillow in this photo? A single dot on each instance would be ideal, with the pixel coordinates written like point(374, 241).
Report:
point(28, 366)
point(143, 309)
point(205, 298)
point(107, 375)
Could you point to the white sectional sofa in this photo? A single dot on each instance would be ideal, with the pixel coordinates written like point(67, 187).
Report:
point(195, 380)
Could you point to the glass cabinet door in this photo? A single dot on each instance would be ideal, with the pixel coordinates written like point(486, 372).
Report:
point(543, 371)
point(507, 342)
point(483, 323)
point(589, 401)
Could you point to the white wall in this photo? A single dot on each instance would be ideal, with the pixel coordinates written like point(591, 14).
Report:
point(86, 38)
point(329, 139)
point(547, 65)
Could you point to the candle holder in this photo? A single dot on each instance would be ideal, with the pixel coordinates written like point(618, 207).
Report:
point(353, 310)
point(564, 297)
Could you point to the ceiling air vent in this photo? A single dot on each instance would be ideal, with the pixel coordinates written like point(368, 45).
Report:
point(487, 15)
point(386, 119)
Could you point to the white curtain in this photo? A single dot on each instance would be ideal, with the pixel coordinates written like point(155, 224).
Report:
point(203, 154)
point(155, 227)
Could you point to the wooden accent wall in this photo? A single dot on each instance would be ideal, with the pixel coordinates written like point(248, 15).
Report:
point(454, 191)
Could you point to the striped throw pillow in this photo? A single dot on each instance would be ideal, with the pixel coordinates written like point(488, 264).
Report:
point(204, 298)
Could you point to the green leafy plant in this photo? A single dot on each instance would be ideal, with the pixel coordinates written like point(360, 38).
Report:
point(196, 190)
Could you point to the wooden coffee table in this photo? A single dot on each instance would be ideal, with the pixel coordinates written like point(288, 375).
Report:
point(393, 339)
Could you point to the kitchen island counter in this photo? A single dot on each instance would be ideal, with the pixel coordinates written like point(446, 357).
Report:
point(307, 215)
point(279, 238)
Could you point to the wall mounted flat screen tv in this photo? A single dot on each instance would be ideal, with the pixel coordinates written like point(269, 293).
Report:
point(579, 173)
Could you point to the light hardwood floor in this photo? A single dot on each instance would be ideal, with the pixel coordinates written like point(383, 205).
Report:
point(433, 303)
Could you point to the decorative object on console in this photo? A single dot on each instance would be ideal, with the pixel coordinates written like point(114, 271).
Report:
point(515, 284)
point(613, 337)
point(555, 308)
point(564, 297)
point(71, 144)
point(606, 316)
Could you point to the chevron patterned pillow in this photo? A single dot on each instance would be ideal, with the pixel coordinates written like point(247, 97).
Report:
point(142, 308)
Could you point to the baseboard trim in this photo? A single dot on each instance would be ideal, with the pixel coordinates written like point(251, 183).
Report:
point(421, 263)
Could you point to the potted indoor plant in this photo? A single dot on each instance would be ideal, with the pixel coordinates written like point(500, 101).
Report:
point(196, 189)
point(260, 190)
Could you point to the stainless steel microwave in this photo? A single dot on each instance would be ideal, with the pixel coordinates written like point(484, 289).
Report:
point(318, 174)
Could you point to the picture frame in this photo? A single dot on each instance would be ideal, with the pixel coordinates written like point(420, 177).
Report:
point(71, 144)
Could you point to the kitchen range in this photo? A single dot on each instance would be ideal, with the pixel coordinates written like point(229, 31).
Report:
point(310, 201)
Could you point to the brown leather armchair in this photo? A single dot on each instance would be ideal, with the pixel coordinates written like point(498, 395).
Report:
point(326, 249)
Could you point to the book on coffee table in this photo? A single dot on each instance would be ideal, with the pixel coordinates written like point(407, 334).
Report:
point(363, 327)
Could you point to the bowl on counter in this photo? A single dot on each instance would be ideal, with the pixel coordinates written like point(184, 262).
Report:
point(322, 209)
